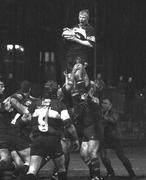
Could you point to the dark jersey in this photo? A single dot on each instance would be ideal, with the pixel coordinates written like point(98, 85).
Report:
point(25, 127)
point(48, 117)
point(4, 117)
point(15, 114)
point(67, 99)
point(74, 49)
point(110, 121)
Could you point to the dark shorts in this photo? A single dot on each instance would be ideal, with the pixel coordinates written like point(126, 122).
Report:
point(86, 124)
point(18, 143)
point(89, 133)
point(46, 146)
point(4, 141)
point(16, 140)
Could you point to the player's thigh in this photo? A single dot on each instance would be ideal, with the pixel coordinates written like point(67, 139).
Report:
point(93, 146)
point(17, 159)
point(84, 149)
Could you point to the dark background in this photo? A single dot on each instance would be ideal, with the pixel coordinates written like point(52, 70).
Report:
point(37, 26)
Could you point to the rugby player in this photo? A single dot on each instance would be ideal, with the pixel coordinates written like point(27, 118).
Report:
point(80, 42)
point(48, 118)
point(112, 139)
point(14, 104)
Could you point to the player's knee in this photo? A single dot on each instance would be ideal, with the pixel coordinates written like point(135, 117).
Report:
point(83, 151)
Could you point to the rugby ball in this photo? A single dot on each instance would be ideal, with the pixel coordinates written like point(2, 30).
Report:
point(68, 33)
point(78, 32)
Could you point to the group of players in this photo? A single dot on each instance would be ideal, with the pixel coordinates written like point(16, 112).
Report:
point(38, 125)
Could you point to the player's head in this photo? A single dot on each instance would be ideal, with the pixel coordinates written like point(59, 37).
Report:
point(35, 91)
point(50, 89)
point(78, 60)
point(106, 103)
point(84, 16)
point(2, 87)
point(25, 87)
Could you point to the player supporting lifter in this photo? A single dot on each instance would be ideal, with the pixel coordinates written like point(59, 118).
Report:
point(48, 118)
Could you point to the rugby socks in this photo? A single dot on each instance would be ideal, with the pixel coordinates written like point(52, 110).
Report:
point(95, 168)
point(107, 163)
point(89, 164)
point(62, 175)
point(30, 177)
point(67, 160)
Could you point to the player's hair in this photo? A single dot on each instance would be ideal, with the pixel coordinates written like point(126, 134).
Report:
point(25, 86)
point(50, 89)
point(84, 11)
point(35, 90)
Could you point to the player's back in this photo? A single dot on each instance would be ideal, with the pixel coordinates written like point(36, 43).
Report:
point(46, 117)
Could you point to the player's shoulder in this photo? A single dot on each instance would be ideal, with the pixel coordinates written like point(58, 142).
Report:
point(89, 26)
point(17, 95)
point(90, 29)
point(30, 100)
point(57, 105)
point(56, 102)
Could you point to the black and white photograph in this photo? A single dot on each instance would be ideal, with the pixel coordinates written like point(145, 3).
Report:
point(72, 90)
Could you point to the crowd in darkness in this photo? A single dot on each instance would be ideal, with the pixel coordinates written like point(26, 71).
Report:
point(130, 103)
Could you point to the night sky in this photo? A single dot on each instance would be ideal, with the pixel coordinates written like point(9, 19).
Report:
point(120, 33)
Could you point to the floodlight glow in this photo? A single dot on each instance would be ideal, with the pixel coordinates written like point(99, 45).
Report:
point(22, 49)
point(9, 47)
point(17, 46)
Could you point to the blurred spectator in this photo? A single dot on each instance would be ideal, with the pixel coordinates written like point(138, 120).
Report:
point(130, 90)
point(120, 94)
point(121, 85)
point(10, 85)
point(100, 85)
